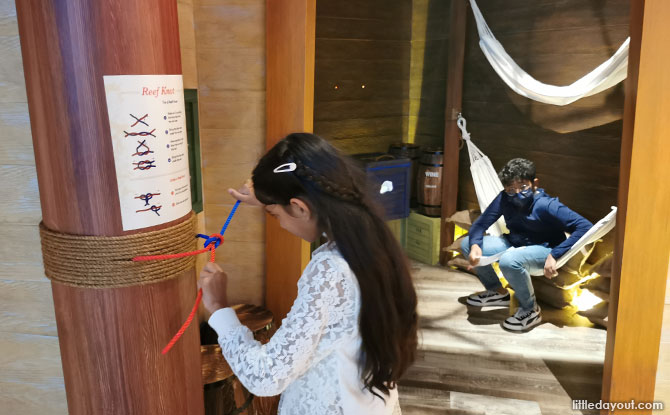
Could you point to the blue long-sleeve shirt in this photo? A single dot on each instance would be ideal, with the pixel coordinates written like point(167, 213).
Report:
point(544, 223)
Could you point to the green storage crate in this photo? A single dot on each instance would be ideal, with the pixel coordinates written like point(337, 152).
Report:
point(399, 229)
point(423, 238)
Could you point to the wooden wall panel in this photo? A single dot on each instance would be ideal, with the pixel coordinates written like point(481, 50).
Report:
point(230, 39)
point(11, 68)
point(557, 42)
point(27, 307)
point(20, 202)
point(243, 145)
point(243, 69)
point(16, 146)
point(428, 72)
point(187, 43)
point(404, 71)
point(229, 109)
point(361, 99)
point(516, 12)
point(240, 18)
point(20, 253)
point(31, 378)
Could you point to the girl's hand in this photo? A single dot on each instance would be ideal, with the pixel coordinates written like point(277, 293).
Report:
point(213, 282)
point(550, 267)
point(246, 194)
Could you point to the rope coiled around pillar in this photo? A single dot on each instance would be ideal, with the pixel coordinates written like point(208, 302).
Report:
point(107, 261)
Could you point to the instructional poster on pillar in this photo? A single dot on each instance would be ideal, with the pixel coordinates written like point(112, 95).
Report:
point(148, 126)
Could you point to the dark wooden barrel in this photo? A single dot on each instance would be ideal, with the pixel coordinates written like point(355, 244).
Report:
point(412, 152)
point(429, 182)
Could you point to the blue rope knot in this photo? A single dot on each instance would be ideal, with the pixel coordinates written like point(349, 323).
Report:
point(211, 238)
point(218, 238)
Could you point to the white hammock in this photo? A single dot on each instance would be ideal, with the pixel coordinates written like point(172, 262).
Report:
point(608, 74)
point(488, 186)
point(484, 176)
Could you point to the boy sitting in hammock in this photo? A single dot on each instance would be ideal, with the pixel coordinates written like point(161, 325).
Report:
point(537, 225)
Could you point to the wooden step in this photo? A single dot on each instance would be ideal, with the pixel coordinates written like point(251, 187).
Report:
point(427, 410)
point(428, 401)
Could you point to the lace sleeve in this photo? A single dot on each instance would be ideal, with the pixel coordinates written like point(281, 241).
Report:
point(396, 408)
point(267, 370)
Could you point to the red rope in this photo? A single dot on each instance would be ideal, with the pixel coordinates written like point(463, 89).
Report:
point(185, 325)
point(198, 298)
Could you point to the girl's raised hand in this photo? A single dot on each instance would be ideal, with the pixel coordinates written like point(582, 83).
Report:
point(246, 194)
point(213, 282)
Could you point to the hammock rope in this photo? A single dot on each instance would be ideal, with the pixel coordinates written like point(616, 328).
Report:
point(484, 176)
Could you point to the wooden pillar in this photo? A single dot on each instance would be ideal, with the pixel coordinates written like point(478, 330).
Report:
point(110, 339)
point(458, 16)
point(630, 84)
point(641, 265)
point(289, 108)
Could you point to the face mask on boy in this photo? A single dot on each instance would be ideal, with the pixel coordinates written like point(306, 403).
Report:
point(523, 198)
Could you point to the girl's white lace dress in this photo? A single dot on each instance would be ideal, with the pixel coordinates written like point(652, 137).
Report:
point(312, 358)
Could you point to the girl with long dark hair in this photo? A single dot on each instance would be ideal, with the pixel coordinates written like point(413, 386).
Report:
point(351, 332)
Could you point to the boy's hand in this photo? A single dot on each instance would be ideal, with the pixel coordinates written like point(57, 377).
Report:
point(475, 254)
point(550, 267)
point(213, 282)
point(246, 194)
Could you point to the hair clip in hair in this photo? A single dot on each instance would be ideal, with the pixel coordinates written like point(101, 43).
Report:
point(286, 167)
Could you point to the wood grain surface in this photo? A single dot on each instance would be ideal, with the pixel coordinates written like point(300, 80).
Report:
point(428, 71)
point(230, 40)
point(289, 108)
point(644, 271)
point(636, 20)
point(454, 93)
point(110, 339)
point(362, 73)
point(32, 377)
point(464, 349)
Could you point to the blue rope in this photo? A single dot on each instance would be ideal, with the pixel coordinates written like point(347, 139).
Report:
point(232, 212)
point(214, 239)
